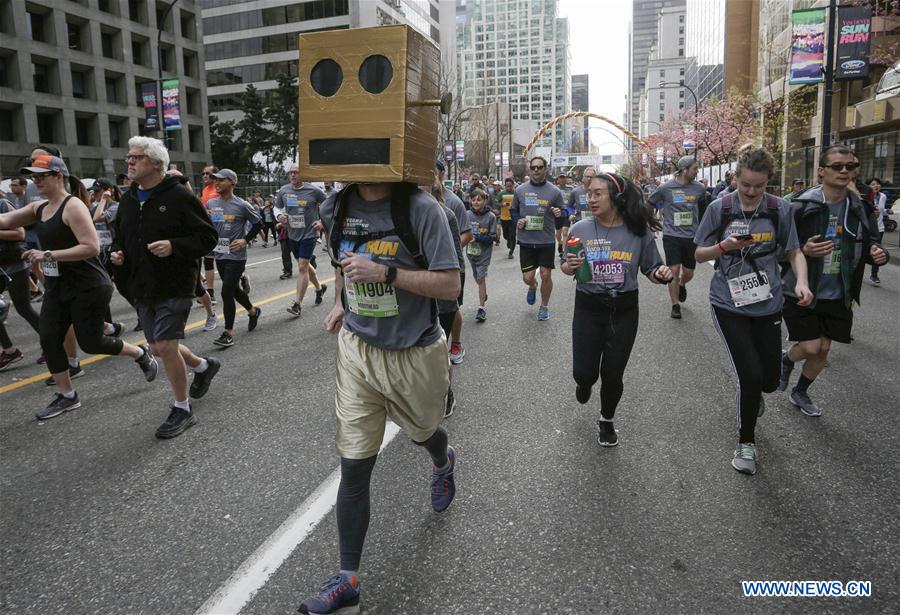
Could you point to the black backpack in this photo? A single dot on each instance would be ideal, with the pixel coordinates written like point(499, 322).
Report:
point(729, 215)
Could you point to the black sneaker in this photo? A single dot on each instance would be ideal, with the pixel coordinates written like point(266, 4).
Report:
point(285, 276)
point(59, 405)
point(225, 340)
point(606, 434)
point(138, 327)
point(178, 421)
point(451, 404)
point(118, 328)
point(676, 311)
point(582, 393)
point(74, 372)
point(148, 364)
point(200, 385)
point(787, 367)
point(294, 310)
point(682, 293)
point(254, 319)
point(245, 283)
point(320, 293)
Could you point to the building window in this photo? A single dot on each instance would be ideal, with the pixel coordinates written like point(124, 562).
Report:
point(192, 101)
point(195, 137)
point(79, 35)
point(188, 25)
point(137, 11)
point(10, 124)
point(662, 106)
point(82, 82)
point(163, 24)
point(118, 131)
point(49, 123)
point(140, 50)
point(108, 6)
point(86, 128)
point(9, 73)
point(681, 52)
point(167, 57)
point(44, 74)
point(662, 74)
point(115, 88)
point(40, 26)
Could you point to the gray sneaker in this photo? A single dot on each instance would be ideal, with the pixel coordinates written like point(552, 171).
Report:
point(148, 364)
point(745, 458)
point(785, 373)
point(59, 405)
point(806, 405)
point(211, 323)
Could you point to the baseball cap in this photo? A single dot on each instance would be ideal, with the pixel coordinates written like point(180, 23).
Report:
point(226, 174)
point(101, 184)
point(46, 164)
point(685, 162)
point(796, 181)
point(439, 164)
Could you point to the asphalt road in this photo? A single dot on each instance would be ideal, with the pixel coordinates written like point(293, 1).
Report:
point(98, 516)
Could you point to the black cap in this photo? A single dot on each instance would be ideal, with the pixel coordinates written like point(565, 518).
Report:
point(101, 184)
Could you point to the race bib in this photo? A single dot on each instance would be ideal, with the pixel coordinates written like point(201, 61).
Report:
point(297, 221)
point(683, 218)
point(223, 246)
point(833, 266)
point(50, 268)
point(585, 214)
point(105, 238)
point(474, 248)
point(750, 288)
point(534, 223)
point(607, 272)
point(372, 299)
point(738, 227)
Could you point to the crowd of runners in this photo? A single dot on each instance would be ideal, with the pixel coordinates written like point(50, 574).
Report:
point(401, 254)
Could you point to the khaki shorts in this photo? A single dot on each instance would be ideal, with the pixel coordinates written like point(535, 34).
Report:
point(373, 384)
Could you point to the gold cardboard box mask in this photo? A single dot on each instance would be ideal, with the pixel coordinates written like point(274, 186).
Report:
point(367, 109)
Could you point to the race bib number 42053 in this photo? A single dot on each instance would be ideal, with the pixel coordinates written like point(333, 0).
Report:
point(608, 272)
point(372, 299)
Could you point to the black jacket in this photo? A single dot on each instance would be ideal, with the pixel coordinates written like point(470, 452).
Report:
point(171, 212)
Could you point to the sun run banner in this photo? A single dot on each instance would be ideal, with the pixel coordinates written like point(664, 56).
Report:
point(448, 151)
point(460, 150)
point(807, 46)
point(171, 114)
point(148, 100)
point(854, 33)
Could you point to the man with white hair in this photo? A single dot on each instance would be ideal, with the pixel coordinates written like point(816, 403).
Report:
point(162, 231)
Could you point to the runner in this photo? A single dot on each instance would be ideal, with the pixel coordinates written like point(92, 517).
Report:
point(577, 205)
point(535, 207)
point(838, 241)
point(231, 215)
point(78, 288)
point(682, 201)
point(504, 201)
point(606, 253)
point(268, 222)
point(161, 231)
point(390, 328)
point(562, 222)
point(879, 202)
point(209, 260)
point(745, 232)
point(484, 230)
point(14, 277)
point(297, 207)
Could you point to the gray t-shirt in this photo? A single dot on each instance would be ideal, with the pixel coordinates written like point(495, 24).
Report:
point(738, 268)
point(19, 265)
point(381, 315)
point(454, 204)
point(534, 203)
point(448, 306)
point(105, 227)
point(614, 255)
point(231, 218)
point(577, 205)
point(483, 225)
point(681, 207)
point(301, 205)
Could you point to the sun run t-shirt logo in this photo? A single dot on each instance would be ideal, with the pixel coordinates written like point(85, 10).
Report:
point(601, 249)
point(370, 249)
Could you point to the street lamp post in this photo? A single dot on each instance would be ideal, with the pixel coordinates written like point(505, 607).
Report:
point(693, 93)
point(159, 57)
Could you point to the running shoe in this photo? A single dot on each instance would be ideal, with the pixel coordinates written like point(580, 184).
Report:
point(178, 421)
point(874, 281)
point(8, 358)
point(265, 244)
point(451, 404)
point(806, 405)
point(543, 313)
point(202, 380)
point(531, 295)
point(225, 340)
point(762, 407)
point(457, 352)
point(59, 405)
point(138, 327)
point(582, 393)
point(74, 372)
point(786, 368)
point(294, 310)
point(118, 328)
point(676, 311)
point(480, 315)
point(285, 276)
point(339, 596)
point(682, 293)
point(42, 359)
point(320, 293)
point(253, 319)
point(245, 283)
point(510, 255)
point(443, 486)
point(148, 363)
point(744, 459)
point(36, 296)
point(606, 434)
point(211, 323)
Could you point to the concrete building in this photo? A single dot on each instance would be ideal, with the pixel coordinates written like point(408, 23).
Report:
point(581, 101)
point(251, 42)
point(515, 51)
point(662, 97)
point(71, 75)
point(644, 23)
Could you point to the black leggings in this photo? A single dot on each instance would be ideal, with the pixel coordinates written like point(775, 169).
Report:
point(509, 232)
point(754, 346)
point(603, 332)
point(84, 310)
point(874, 266)
point(266, 227)
point(20, 293)
point(352, 508)
point(287, 263)
point(230, 273)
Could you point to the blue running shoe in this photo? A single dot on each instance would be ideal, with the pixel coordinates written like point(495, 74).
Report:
point(531, 297)
point(443, 486)
point(339, 596)
point(543, 313)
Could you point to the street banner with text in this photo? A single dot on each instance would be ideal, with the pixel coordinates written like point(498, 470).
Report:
point(807, 46)
point(854, 34)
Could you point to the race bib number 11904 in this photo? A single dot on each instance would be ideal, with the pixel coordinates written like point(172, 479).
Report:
point(372, 299)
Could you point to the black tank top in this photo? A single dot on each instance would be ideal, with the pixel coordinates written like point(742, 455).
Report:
point(74, 276)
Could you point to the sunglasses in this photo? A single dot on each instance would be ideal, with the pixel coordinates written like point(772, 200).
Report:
point(838, 166)
point(537, 168)
point(134, 157)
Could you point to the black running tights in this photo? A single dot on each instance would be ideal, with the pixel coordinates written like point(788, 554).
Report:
point(603, 332)
point(230, 272)
point(754, 347)
point(20, 294)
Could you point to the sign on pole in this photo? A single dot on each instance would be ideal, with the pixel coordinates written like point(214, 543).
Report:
point(448, 151)
point(148, 100)
point(687, 142)
point(171, 114)
point(807, 46)
point(506, 159)
point(497, 159)
point(855, 29)
point(460, 150)
point(660, 155)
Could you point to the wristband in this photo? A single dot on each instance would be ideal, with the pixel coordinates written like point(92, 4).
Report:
point(391, 275)
point(721, 249)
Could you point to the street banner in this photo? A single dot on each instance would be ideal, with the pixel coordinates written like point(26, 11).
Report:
point(448, 151)
point(687, 142)
point(171, 114)
point(660, 155)
point(854, 33)
point(497, 159)
point(807, 46)
point(645, 160)
point(460, 150)
point(148, 100)
point(506, 159)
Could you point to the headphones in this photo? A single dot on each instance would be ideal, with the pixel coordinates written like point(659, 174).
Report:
point(620, 183)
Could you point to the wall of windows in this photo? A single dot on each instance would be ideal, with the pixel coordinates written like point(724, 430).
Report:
point(252, 73)
point(275, 16)
point(257, 46)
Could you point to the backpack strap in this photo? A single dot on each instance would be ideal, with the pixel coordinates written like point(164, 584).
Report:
point(401, 197)
point(337, 226)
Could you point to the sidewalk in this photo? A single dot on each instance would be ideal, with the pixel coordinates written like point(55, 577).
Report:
point(891, 243)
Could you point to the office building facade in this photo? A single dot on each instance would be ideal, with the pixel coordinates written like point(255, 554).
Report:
point(581, 101)
point(663, 95)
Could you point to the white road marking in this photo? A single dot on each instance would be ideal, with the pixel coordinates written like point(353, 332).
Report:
point(268, 260)
point(256, 570)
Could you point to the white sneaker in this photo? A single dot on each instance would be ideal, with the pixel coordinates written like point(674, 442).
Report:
point(211, 323)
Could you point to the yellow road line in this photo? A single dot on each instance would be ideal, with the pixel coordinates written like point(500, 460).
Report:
point(99, 357)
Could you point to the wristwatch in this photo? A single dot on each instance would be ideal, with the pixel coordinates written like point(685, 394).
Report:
point(391, 275)
point(48, 256)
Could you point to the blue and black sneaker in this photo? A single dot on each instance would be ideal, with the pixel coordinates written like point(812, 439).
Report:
point(531, 296)
point(339, 596)
point(443, 485)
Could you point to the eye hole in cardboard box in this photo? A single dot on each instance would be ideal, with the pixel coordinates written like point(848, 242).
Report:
point(326, 78)
point(375, 74)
